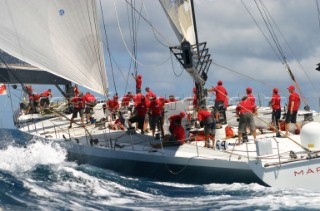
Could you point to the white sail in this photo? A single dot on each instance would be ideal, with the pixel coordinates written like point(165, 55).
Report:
point(58, 36)
point(179, 13)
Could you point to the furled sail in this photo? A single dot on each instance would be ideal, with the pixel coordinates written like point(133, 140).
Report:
point(58, 36)
point(179, 13)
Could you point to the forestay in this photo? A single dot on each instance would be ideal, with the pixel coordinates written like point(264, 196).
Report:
point(59, 36)
point(179, 13)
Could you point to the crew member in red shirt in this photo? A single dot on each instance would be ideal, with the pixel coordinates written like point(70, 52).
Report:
point(44, 99)
point(206, 118)
point(245, 110)
point(76, 90)
point(155, 110)
point(221, 100)
point(293, 107)
point(90, 102)
point(113, 107)
point(250, 95)
point(172, 99)
point(138, 83)
point(276, 110)
point(33, 103)
point(140, 114)
point(78, 106)
point(174, 119)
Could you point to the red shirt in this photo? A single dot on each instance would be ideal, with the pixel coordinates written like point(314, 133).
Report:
point(245, 106)
point(275, 102)
point(88, 98)
point(138, 83)
point(137, 99)
point(252, 98)
point(221, 93)
point(112, 104)
point(203, 114)
point(179, 134)
point(141, 109)
point(294, 97)
point(155, 107)
point(172, 120)
point(46, 93)
point(78, 102)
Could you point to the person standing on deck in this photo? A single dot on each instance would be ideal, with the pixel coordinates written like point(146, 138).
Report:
point(250, 95)
point(221, 99)
point(207, 119)
point(155, 110)
point(138, 82)
point(276, 110)
point(113, 106)
point(90, 102)
point(44, 99)
point(139, 114)
point(78, 106)
point(245, 110)
point(293, 107)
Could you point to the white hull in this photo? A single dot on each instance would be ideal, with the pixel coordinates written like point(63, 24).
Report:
point(134, 155)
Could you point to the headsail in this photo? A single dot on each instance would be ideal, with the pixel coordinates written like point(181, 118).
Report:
point(59, 36)
point(180, 15)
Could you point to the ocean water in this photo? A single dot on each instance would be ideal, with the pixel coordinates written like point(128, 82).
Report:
point(35, 175)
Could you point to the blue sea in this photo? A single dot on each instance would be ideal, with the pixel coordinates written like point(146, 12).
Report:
point(35, 175)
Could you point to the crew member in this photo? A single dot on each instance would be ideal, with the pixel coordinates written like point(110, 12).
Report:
point(276, 110)
point(245, 110)
point(206, 118)
point(44, 99)
point(78, 106)
point(90, 102)
point(293, 107)
point(221, 100)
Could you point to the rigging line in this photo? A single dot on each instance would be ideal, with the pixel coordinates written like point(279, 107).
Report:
point(270, 28)
point(318, 10)
point(126, 46)
point(153, 31)
point(279, 57)
point(291, 50)
point(285, 62)
point(157, 31)
point(243, 75)
point(108, 47)
point(177, 75)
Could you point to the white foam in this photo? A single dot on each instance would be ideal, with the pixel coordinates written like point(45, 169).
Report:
point(20, 159)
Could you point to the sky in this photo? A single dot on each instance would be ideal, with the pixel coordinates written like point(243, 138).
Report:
point(234, 40)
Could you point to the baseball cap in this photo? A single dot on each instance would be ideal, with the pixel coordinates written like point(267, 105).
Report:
point(291, 87)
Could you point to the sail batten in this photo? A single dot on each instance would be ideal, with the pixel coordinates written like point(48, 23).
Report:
point(61, 37)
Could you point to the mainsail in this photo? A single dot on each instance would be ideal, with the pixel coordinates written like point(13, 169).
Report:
point(58, 36)
point(180, 15)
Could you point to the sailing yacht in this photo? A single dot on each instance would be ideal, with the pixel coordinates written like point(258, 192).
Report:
point(66, 44)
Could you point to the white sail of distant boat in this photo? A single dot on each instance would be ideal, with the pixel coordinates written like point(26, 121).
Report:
point(3, 89)
point(56, 36)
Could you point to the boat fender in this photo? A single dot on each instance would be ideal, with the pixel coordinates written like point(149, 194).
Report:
point(310, 134)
